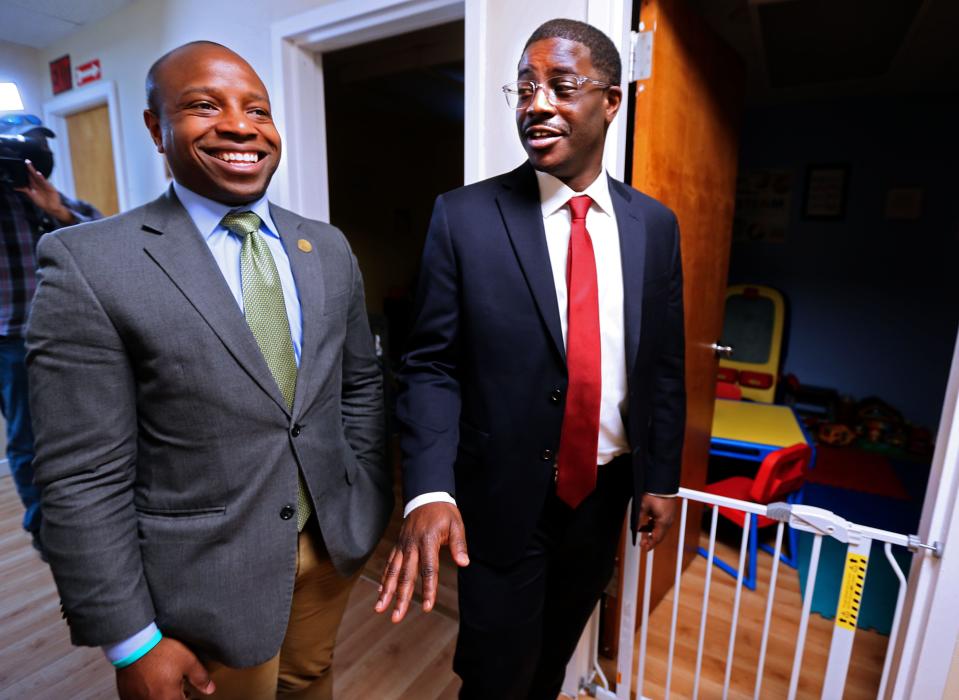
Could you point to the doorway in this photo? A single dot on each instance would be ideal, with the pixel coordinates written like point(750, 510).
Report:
point(394, 119)
point(91, 158)
point(394, 113)
point(844, 205)
point(87, 152)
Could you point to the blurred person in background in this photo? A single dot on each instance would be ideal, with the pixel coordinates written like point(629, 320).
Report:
point(29, 207)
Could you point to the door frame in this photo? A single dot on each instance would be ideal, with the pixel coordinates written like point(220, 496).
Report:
point(302, 182)
point(926, 652)
point(55, 113)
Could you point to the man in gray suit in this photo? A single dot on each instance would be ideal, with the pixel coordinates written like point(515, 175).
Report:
point(208, 411)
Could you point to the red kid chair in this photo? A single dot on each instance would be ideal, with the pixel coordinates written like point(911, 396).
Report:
point(780, 477)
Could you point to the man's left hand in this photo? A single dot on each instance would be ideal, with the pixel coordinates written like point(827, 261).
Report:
point(656, 515)
point(45, 196)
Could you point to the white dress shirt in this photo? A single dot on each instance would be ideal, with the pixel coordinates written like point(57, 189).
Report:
point(225, 246)
point(604, 232)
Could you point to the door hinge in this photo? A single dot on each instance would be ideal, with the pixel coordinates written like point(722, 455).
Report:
point(641, 55)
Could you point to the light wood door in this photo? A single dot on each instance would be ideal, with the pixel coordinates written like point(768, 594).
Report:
point(685, 146)
point(91, 155)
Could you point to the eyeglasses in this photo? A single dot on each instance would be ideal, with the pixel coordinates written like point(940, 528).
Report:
point(20, 119)
point(560, 90)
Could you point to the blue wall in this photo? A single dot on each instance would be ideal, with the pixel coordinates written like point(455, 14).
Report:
point(874, 303)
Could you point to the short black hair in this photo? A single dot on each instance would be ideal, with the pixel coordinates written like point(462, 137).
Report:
point(602, 50)
point(153, 99)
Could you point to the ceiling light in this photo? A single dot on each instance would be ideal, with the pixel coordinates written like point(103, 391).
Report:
point(10, 98)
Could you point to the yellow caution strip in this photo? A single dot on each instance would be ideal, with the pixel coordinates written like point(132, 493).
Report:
point(850, 593)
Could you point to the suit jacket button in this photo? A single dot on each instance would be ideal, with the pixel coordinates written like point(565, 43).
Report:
point(287, 512)
point(547, 455)
point(295, 431)
point(556, 395)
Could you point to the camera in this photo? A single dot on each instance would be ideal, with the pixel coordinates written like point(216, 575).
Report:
point(23, 137)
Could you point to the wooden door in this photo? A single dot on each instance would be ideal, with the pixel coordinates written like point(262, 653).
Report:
point(685, 148)
point(91, 155)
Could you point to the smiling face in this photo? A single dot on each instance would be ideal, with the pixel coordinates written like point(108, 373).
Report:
point(565, 141)
point(213, 123)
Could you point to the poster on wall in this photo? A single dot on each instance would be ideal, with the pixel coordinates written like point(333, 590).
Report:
point(762, 205)
point(826, 191)
point(61, 77)
point(904, 203)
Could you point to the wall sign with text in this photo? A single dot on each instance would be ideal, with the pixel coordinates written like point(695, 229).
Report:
point(61, 77)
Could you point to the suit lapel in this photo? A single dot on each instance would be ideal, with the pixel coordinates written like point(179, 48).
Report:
point(174, 243)
point(308, 275)
point(632, 247)
point(519, 204)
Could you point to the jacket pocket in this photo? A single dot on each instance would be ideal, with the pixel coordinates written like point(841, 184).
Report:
point(180, 512)
point(175, 527)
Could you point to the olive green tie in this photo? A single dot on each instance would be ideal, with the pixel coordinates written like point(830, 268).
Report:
point(265, 313)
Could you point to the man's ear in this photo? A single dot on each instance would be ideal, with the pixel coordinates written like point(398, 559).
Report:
point(614, 99)
point(153, 126)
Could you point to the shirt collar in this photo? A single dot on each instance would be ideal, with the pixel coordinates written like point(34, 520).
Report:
point(554, 194)
point(207, 213)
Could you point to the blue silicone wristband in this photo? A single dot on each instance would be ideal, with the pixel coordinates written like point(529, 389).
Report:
point(139, 653)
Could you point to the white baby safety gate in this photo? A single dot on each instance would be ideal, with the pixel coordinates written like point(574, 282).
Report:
point(585, 676)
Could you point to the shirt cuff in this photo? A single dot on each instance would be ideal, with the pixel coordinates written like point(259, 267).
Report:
point(133, 649)
point(424, 498)
point(664, 495)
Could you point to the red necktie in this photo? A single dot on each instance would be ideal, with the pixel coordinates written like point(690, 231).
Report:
point(576, 475)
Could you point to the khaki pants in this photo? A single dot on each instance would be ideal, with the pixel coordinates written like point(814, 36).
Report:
point(303, 670)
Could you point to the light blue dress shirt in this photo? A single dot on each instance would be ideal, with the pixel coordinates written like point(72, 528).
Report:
point(225, 246)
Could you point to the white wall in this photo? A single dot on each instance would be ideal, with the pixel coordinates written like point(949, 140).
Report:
point(22, 65)
point(500, 28)
point(128, 41)
point(503, 28)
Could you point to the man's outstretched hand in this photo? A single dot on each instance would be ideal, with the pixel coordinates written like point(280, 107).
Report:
point(161, 672)
point(424, 531)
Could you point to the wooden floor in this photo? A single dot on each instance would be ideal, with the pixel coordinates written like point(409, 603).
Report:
point(868, 650)
point(376, 660)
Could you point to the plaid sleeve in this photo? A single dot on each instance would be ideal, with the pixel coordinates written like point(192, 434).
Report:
point(83, 211)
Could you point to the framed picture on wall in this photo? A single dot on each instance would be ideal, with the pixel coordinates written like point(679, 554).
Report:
point(762, 205)
point(826, 187)
point(903, 203)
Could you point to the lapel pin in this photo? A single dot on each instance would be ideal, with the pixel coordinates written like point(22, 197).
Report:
point(304, 245)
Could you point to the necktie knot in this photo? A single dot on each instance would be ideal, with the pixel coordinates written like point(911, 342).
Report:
point(579, 206)
point(242, 223)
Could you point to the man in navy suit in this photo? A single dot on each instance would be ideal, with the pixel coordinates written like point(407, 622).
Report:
point(543, 386)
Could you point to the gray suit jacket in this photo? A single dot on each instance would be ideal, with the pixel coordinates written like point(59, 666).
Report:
point(165, 451)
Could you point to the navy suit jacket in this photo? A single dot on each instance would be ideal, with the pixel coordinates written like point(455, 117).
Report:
point(483, 382)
